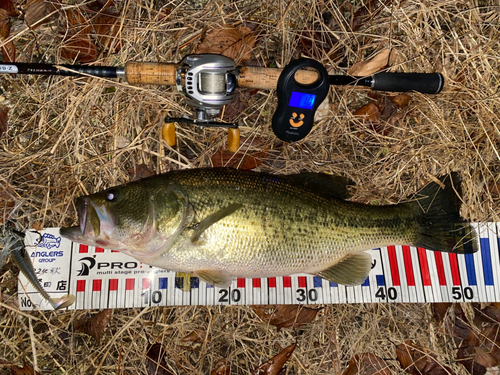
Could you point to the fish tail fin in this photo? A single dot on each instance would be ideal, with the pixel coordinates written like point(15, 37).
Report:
point(64, 301)
point(441, 228)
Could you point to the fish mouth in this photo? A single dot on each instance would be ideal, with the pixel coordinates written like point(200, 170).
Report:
point(82, 210)
point(105, 222)
point(96, 224)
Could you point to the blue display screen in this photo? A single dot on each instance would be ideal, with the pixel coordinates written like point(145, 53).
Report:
point(301, 100)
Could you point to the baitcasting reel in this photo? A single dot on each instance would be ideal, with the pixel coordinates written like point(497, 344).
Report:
point(208, 82)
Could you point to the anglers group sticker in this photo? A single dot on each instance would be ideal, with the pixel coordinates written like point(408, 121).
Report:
point(48, 241)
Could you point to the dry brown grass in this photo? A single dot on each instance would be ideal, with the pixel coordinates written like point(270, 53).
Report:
point(71, 136)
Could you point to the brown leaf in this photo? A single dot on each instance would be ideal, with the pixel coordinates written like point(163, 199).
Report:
point(80, 48)
point(275, 364)
point(439, 310)
point(9, 6)
point(77, 22)
point(9, 52)
point(460, 328)
point(401, 100)
point(36, 12)
point(95, 325)
point(4, 118)
point(197, 335)
point(369, 67)
point(100, 5)
point(107, 31)
point(233, 42)
point(239, 103)
point(468, 361)
point(386, 108)
point(484, 344)
point(367, 364)
point(286, 316)
point(4, 23)
point(25, 370)
point(419, 361)
point(140, 171)
point(16, 370)
point(368, 112)
point(155, 361)
point(250, 155)
point(222, 367)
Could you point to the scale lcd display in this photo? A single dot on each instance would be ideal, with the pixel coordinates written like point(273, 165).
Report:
point(301, 100)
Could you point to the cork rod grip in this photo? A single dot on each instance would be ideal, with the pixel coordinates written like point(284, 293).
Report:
point(267, 78)
point(140, 73)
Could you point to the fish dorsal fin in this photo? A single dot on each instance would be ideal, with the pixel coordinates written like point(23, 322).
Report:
point(212, 219)
point(351, 270)
point(215, 278)
point(324, 184)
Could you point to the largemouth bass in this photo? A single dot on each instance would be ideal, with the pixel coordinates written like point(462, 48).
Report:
point(13, 245)
point(220, 224)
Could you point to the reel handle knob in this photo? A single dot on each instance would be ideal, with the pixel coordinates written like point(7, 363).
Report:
point(168, 133)
point(233, 139)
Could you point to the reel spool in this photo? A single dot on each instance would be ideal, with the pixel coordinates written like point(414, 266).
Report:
point(208, 82)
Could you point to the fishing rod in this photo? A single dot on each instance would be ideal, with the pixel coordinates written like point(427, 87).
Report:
point(208, 82)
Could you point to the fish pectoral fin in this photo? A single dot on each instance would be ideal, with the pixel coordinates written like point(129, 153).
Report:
point(215, 278)
point(351, 270)
point(64, 301)
point(183, 281)
point(212, 219)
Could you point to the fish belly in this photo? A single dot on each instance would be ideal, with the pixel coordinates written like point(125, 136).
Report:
point(282, 232)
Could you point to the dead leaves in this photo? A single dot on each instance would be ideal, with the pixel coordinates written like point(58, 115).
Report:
point(80, 49)
point(368, 112)
point(286, 316)
point(479, 340)
point(383, 114)
point(476, 332)
point(4, 111)
point(198, 336)
point(236, 43)
point(38, 12)
point(222, 367)
point(367, 364)
point(367, 68)
point(252, 152)
point(86, 31)
point(86, 28)
point(16, 370)
point(7, 10)
point(275, 365)
point(95, 326)
point(416, 360)
point(155, 361)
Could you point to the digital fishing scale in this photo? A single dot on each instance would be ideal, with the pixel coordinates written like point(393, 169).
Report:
point(298, 102)
point(209, 81)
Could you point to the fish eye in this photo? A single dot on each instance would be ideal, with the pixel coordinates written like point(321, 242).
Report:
point(111, 196)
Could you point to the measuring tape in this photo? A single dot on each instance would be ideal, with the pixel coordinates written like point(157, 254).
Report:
point(109, 279)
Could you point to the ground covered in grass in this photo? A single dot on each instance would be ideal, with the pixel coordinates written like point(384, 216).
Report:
point(65, 137)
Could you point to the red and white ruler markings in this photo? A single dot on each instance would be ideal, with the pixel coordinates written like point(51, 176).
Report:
point(108, 279)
